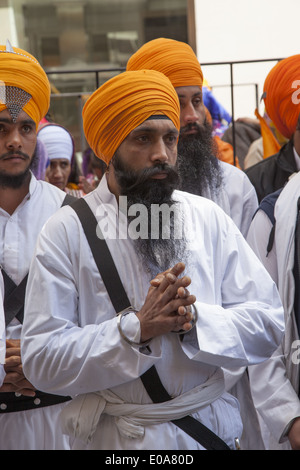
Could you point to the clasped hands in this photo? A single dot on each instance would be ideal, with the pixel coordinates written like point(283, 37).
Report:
point(14, 380)
point(168, 304)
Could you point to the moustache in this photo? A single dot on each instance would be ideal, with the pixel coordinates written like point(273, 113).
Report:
point(148, 173)
point(14, 152)
point(193, 126)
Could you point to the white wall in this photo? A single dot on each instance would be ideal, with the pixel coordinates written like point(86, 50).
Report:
point(8, 26)
point(234, 30)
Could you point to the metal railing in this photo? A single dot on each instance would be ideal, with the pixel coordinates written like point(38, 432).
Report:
point(97, 71)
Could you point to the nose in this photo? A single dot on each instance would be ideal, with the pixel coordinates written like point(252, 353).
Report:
point(188, 114)
point(159, 152)
point(57, 171)
point(14, 140)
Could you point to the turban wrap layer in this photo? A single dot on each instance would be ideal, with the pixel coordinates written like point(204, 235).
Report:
point(20, 69)
point(123, 103)
point(282, 100)
point(175, 59)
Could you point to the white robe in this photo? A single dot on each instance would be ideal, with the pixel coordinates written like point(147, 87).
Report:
point(275, 383)
point(71, 344)
point(2, 331)
point(31, 429)
point(237, 197)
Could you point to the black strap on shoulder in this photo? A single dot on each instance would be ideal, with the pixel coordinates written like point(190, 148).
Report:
point(267, 205)
point(14, 296)
point(68, 200)
point(102, 255)
point(119, 299)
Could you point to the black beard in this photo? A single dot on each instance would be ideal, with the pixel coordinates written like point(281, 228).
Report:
point(198, 165)
point(17, 181)
point(156, 253)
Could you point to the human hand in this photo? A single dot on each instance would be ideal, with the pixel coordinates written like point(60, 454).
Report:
point(14, 380)
point(85, 185)
point(167, 305)
point(172, 274)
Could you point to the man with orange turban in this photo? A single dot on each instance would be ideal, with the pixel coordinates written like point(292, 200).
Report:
point(107, 350)
point(282, 103)
point(274, 236)
point(201, 171)
point(28, 417)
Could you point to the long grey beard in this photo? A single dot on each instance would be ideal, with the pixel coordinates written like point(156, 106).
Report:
point(198, 166)
point(168, 247)
point(160, 246)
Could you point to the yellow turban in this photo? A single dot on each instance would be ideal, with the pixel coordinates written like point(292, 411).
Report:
point(20, 69)
point(282, 95)
point(174, 59)
point(123, 103)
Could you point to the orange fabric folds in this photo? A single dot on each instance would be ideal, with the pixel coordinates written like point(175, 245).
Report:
point(174, 59)
point(282, 95)
point(20, 69)
point(270, 144)
point(123, 103)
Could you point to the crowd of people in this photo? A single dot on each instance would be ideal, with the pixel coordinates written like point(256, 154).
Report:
point(148, 295)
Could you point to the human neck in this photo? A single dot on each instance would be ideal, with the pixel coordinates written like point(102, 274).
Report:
point(11, 198)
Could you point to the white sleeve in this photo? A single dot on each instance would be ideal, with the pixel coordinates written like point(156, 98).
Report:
point(76, 356)
point(250, 205)
point(273, 394)
point(2, 331)
point(258, 238)
point(250, 308)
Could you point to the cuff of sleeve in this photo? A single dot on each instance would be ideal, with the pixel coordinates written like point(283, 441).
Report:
point(131, 327)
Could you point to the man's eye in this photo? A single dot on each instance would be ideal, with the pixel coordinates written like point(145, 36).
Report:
point(143, 138)
point(197, 102)
point(171, 139)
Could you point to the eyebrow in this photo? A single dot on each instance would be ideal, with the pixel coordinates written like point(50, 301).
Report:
point(198, 93)
point(10, 121)
point(151, 129)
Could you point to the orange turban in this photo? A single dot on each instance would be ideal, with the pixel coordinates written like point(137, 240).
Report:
point(282, 100)
point(20, 69)
point(174, 59)
point(123, 103)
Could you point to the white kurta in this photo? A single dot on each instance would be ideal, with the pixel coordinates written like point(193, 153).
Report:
point(71, 344)
point(237, 196)
point(32, 429)
point(2, 331)
point(238, 199)
point(275, 383)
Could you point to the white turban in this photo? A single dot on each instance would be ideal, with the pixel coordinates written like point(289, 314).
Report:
point(57, 140)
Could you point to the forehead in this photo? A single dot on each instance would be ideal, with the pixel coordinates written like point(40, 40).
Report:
point(188, 91)
point(5, 116)
point(156, 125)
point(59, 160)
